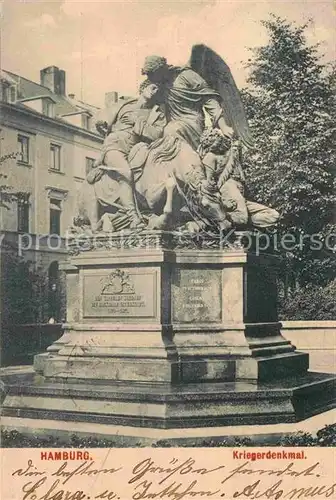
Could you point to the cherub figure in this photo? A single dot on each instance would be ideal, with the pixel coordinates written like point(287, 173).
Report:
point(225, 179)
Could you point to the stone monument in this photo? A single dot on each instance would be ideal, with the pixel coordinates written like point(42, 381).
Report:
point(171, 318)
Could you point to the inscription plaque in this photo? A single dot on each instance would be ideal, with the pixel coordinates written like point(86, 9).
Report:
point(120, 294)
point(196, 296)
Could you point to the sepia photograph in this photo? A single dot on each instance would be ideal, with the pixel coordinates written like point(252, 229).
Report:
point(167, 249)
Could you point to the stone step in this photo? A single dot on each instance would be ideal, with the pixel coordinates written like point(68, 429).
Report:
point(167, 406)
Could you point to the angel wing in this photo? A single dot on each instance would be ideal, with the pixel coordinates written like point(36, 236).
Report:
point(217, 74)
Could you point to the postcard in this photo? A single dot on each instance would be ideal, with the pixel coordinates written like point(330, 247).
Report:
point(167, 249)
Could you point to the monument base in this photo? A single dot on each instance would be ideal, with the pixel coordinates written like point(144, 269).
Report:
point(165, 314)
point(168, 407)
point(163, 336)
point(192, 370)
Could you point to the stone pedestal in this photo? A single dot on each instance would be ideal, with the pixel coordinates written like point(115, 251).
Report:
point(165, 333)
point(171, 315)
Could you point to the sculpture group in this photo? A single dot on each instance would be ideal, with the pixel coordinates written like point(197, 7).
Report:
point(161, 168)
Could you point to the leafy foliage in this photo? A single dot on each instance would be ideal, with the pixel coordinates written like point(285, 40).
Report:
point(15, 439)
point(26, 285)
point(327, 436)
point(310, 302)
point(290, 103)
point(300, 439)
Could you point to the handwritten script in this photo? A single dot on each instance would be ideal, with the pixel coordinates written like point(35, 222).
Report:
point(164, 474)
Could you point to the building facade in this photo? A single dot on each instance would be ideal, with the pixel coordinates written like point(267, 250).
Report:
point(48, 144)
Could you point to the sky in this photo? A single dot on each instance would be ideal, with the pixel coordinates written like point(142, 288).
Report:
point(102, 44)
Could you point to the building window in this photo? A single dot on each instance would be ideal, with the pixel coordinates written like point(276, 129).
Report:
point(89, 164)
point(55, 216)
point(12, 94)
point(4, 93)
point(86, 122)
point(48, 108)
point(23, 212)
point(55, 157)
point(23, 146)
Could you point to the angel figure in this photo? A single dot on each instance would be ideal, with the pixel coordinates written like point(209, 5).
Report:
point(205, 83)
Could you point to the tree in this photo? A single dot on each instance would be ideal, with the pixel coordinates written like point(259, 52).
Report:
point(25, 289)
point(311, 302)
point(290, 101)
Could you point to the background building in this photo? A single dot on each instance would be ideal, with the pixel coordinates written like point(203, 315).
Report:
point(48, 143)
